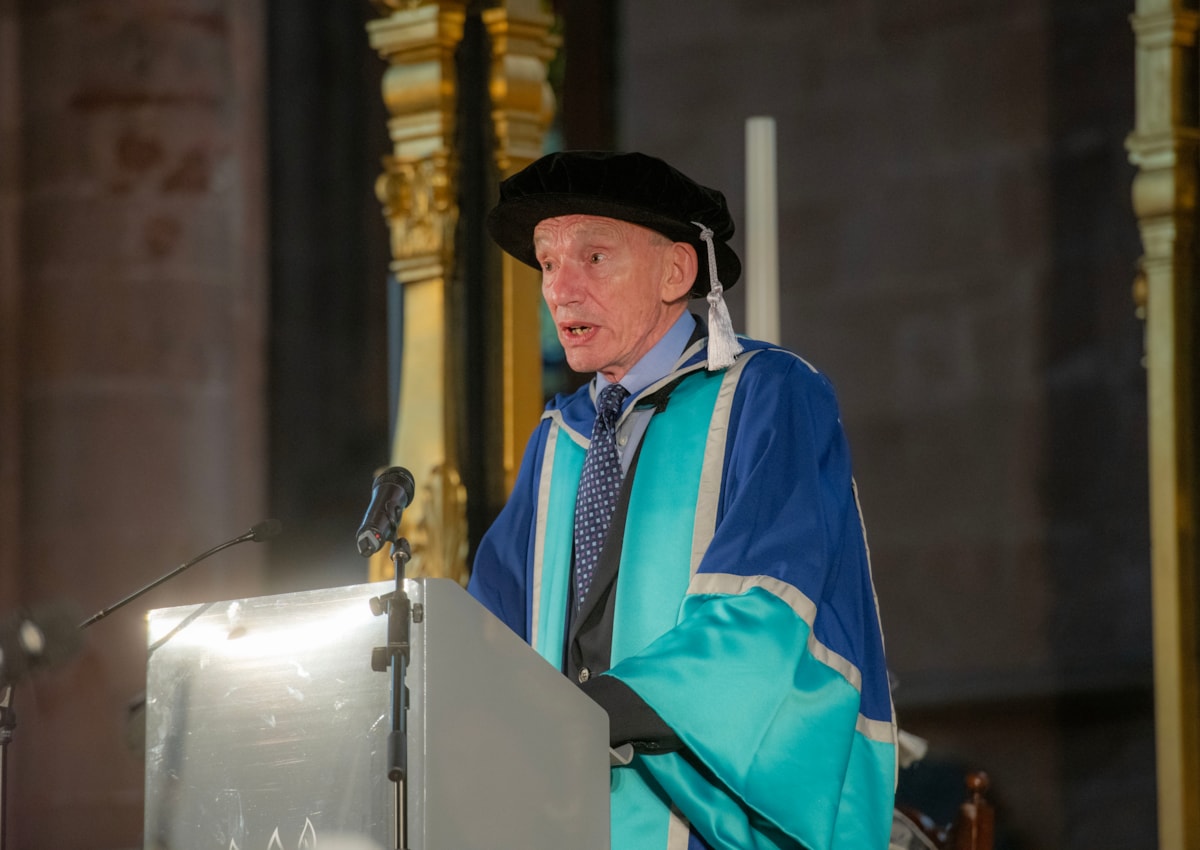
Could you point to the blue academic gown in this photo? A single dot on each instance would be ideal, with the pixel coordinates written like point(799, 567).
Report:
point(742, 609)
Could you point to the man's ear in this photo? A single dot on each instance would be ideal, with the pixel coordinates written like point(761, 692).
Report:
point(680, 272)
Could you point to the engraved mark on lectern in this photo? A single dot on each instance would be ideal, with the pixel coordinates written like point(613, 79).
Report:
point(308, 838)
point(307, 841)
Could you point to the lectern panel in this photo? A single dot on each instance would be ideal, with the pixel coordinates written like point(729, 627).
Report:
point(264, 724)
point(536, 746)
point(266, 729)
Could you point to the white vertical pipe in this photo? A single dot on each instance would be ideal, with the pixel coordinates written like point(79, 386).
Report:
point(762, 231)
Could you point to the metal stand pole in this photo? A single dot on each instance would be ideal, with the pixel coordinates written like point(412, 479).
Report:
point(8, 722)
point(395, 656)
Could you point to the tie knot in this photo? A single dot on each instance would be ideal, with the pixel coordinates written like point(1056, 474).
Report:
point(609, 403)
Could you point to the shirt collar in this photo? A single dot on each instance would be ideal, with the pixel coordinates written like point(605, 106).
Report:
point(656, 362)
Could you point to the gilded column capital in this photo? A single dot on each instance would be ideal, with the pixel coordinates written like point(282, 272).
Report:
point(1162, 25)
point(1165, 142)
point(417, 185)
point(417, 196)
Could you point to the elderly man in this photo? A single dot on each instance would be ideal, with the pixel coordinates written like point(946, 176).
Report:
point(684, 538)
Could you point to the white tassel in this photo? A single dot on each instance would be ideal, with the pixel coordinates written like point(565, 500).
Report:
point(723, 345)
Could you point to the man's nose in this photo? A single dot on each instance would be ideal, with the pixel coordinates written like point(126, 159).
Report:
point(565, 286)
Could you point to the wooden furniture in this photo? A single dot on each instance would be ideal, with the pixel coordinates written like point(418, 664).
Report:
point(975, 825)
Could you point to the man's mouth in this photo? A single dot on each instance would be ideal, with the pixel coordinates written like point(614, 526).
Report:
point(576, 330)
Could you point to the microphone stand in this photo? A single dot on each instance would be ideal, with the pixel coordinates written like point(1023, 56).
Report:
point(41, 637)
point(8, 722)
point(399, 611)
point(264, 530)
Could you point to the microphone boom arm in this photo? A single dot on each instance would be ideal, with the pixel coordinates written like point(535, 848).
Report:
point(265, 530)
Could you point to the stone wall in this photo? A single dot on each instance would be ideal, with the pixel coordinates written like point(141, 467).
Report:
point(134, 270)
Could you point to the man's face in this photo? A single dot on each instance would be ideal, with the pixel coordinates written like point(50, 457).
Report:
point(613, 288)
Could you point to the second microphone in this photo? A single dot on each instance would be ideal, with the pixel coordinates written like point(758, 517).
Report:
point(391, 493)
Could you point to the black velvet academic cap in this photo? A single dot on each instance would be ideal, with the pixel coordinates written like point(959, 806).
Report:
point(629, 187)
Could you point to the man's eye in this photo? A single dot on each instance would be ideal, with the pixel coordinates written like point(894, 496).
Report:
point(595, 258)
point(547, 266)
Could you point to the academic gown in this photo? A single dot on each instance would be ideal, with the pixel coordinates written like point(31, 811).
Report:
point(736, 601)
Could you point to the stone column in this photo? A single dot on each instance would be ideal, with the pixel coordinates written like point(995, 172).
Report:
point(134, 376)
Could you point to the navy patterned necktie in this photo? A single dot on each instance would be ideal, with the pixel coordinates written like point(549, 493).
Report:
point(598, 488)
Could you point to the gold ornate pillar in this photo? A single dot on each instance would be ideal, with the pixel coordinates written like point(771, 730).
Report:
point(418, 191)
point(522, 108)
point(1165, 145)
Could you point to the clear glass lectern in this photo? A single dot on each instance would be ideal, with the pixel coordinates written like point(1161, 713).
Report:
point(267, 729)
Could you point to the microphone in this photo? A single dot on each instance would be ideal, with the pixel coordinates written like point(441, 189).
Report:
point(391, 493)
point(41, 638)
point(265, 530)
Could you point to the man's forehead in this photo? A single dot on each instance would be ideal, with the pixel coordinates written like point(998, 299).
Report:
point(549, 228)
